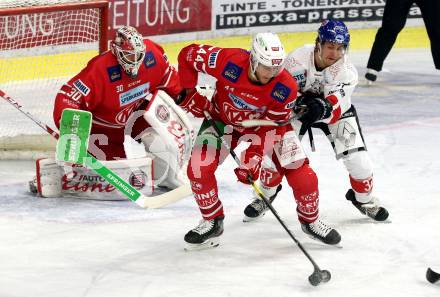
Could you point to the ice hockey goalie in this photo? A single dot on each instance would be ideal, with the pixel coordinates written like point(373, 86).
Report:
point(129, 90)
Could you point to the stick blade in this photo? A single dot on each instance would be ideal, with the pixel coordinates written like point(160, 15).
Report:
point(319, 276)
point(165, 198)
point(75, 128)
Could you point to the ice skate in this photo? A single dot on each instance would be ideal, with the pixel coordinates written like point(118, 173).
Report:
point(258, 208)
point(371, 209)
point(33, 186)
point(205, 235)
point(318, 230)
point(371, 76)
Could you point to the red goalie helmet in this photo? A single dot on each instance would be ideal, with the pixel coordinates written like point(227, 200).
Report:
point(129, 49)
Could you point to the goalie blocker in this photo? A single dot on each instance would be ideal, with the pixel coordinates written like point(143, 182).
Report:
point(167, 142)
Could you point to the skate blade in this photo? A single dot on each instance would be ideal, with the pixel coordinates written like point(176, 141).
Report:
point(372, 220)
point(338, 245)
point(247, 219)
point(210, 243)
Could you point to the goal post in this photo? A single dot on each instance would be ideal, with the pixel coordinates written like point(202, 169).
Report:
point(43, 43)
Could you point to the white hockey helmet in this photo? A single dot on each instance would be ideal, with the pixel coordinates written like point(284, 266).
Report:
point(129, 49)
point(267, 50)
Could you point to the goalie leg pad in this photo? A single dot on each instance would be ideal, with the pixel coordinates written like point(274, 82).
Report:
point(54, 180)
point(85, 183)
point(48, 180)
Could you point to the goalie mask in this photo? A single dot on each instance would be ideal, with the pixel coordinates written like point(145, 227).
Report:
point(129, 49)
point(268, 51)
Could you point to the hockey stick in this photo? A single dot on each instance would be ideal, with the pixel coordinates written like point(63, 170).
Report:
point(301, 133)
point(311, 140)
point(257, 123)
point(143, 201)
point(432, 276)
point(318, 275)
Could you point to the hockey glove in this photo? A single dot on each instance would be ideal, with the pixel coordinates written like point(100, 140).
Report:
point(195, 103)
point(250, 166)
point(313, 108)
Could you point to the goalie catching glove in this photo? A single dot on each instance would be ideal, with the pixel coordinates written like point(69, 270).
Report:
point(312, 109)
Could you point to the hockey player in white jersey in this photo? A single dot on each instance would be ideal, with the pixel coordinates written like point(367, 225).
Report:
point(326, 81)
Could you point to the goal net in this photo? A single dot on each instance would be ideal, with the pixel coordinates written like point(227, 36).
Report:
point(43, 43)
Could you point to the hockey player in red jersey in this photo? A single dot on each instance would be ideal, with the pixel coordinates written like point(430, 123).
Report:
point(250, 85)
point(326, 80)
point(118, 88)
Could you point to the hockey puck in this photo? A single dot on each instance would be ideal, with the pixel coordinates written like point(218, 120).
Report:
point(432, 276)
point(319, 276)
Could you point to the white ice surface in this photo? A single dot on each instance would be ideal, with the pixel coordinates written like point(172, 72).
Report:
point(73, 248)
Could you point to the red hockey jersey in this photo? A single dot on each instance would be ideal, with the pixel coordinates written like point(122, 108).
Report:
point(237, 98)
point(104, 89)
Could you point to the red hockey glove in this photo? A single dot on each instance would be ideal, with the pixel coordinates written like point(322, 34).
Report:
point(196, 103)
point(250, 165)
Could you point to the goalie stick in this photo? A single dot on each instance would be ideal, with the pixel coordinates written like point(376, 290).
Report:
point(143, 201)
point(318, 275)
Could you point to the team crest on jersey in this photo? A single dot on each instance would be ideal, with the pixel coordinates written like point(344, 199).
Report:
point(122, 116)
point(232, 72)
point(212, 59)
point(81, 87)
point(149, 60)
point(236, 115)
point(114, 73)
point(162, 113)
point(280, 92)
point(134, 94)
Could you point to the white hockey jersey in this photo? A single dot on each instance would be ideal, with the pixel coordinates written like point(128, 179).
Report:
point(336, 83)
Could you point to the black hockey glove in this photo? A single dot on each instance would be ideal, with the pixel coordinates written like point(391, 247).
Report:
point(313, 109)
